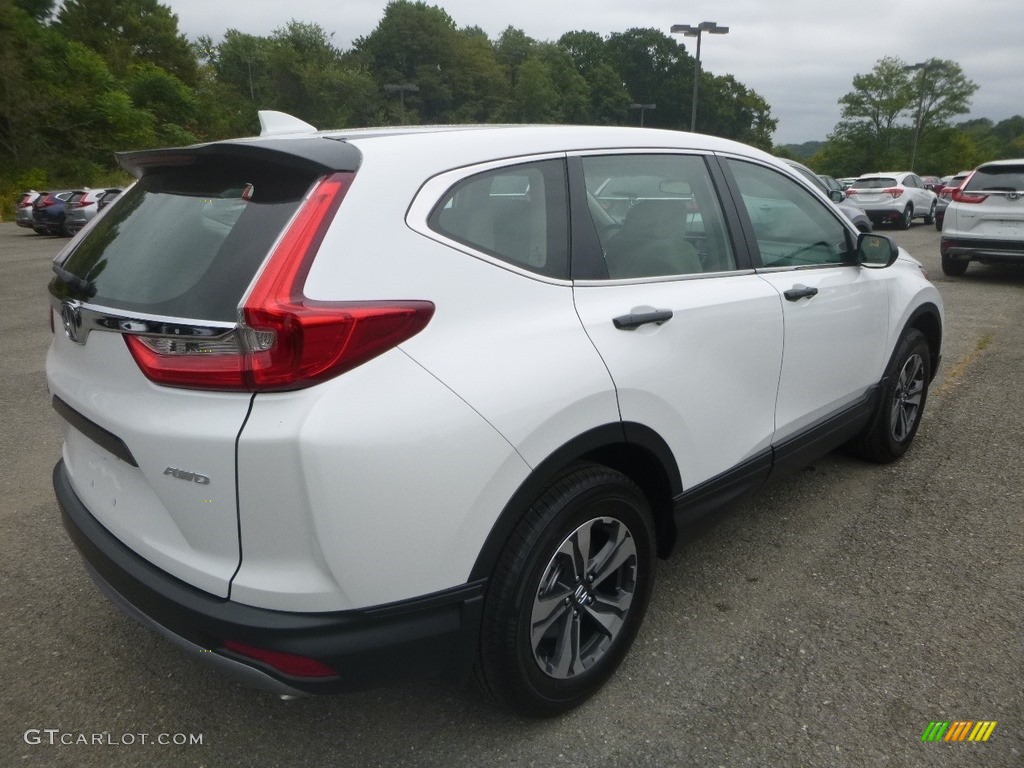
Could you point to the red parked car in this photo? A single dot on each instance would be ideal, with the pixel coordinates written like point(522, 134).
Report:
point(945, 193)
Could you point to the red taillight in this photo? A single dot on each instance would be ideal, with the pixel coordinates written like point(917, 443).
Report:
point(894, 192)
point(46, 202)
point(960, 196)
point(25, 203)
point(83, 203)
point(287, 341)
point(289, 663)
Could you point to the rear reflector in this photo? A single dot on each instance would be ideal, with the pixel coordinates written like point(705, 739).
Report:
point(286, 341)
point(288, 663)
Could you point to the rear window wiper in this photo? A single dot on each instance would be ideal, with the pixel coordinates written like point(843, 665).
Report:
point(78, 285)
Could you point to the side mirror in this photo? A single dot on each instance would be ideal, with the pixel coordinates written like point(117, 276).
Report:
point(876, 251)
point(837, 195)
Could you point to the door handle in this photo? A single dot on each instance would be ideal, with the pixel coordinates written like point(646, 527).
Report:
point(799, 291)
point(633, 321)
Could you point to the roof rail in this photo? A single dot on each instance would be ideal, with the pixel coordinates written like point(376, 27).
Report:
point(280, 123)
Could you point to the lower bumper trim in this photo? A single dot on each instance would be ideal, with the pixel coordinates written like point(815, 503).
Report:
point(431, 635)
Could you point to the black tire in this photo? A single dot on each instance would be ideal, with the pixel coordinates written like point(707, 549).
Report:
point(954, 267)
point(907, 218)
point(930, 218)
point(558, 620)
point(903, 397)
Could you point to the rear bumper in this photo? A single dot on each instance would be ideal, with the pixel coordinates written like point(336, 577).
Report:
point(431, 635)
point(983, 249)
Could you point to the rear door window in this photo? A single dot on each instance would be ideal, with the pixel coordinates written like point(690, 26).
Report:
point(656, 215)
point(185, 243)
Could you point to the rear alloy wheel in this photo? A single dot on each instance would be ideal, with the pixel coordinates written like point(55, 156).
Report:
point(904, 392)
point(954, 267)
point(569, 593)
point(907, 218)
point(930, 218)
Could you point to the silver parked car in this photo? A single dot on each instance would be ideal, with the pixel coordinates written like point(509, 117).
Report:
point(985, 218)
point(23, 215)
point(81, 208)
point(896, 197)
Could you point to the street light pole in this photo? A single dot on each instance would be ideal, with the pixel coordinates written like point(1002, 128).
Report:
point(690, 30)
point(643, 108)
point(922, 68)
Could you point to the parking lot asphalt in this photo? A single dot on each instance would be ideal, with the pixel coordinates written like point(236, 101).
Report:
point(826, 622)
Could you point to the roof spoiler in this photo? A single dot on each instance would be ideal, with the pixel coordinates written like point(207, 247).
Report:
point(280, 123)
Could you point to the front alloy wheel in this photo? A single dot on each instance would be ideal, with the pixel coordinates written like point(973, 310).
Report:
point(904, 392)
point(908, 397)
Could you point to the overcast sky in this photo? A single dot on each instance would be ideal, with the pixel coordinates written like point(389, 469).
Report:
point(799, 55)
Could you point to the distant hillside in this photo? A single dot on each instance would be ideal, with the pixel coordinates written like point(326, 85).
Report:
point(804, 150)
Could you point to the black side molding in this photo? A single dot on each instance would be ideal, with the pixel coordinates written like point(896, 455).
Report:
point(94, 431)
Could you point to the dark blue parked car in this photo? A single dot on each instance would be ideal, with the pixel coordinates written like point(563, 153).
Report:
point(48, 212)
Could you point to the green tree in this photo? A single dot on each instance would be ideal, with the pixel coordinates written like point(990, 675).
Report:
point(900, 105)
point(124, 32)
point(242, 61)
point(24, 93)
point(535, 96)
point(654, 70)
point(572, 88)
point(731, 110)
point(609, 99)
point(941, 91)
point(512, 50)
point(172, 103)
point(877, 101)
point(40, 10)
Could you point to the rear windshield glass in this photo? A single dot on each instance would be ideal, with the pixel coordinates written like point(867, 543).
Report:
point(1005, 178)
point(184, 243)
point(873, 183)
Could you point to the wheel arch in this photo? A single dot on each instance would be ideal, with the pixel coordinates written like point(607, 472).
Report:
point(927, 319)
point(635, 450)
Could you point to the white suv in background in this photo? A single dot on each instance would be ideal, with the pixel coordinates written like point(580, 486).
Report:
point(985, 218)
point(897, 197)
point(346, 406)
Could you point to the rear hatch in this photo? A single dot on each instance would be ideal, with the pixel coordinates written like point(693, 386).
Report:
point(874, 191)
point(75, 207)
point(990, 203)
point(149, 365)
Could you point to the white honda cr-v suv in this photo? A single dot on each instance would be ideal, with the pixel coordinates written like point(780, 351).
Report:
point(346, 406)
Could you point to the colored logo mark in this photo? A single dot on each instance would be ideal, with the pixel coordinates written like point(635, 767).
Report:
point(959, 730)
